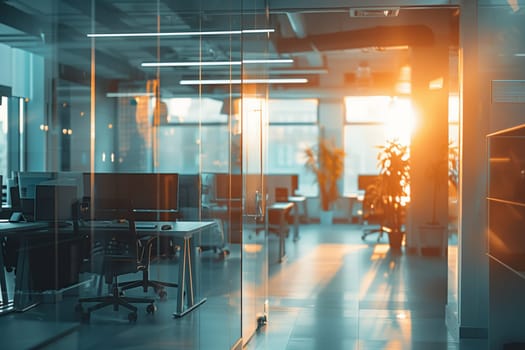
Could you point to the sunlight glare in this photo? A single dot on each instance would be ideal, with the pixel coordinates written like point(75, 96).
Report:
point(400, 121)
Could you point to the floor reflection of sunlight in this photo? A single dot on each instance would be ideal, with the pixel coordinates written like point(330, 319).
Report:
point(312, 271)
point(380, 251)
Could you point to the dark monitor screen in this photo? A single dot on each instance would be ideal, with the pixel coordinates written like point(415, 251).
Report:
point(189, 190)
point(145, 192)
point(27, 182)
point(54, 203)
point(228, 186)
point(14, 194)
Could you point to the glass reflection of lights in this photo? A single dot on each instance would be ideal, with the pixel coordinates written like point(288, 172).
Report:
point(160, 34)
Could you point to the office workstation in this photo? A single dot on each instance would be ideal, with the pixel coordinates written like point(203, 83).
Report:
point(50, 226)
point(122, 86)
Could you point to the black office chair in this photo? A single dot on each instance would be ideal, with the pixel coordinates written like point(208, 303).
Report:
point(373, 213)
point(144, 261)
point(114, 252)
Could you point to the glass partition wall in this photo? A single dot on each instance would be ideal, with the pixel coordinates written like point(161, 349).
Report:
point(132, 120)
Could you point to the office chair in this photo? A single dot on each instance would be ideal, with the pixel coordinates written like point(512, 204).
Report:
point(373, 213)
point(144, 261)
point(114, 251)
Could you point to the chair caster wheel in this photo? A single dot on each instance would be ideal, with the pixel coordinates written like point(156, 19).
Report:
point(132, 317)
point(151, 308)
point(163, 295)
point(261, 321)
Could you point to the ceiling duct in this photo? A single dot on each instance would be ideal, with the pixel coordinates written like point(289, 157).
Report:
point(375, 12)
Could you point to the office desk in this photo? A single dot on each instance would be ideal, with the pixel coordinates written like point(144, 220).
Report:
point(296, 200)
point(185, 234)
point(281, 210)
point(20, 230)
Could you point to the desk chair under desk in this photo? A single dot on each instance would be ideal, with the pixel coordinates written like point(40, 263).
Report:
point(114, 251)
point(185, 234)
point(144, 260)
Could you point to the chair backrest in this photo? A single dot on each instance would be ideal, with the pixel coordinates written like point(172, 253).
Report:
point(114, 243)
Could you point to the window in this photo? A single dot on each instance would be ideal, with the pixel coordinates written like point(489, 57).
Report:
point(370, 121)
point(293, 128)
point(194, 138)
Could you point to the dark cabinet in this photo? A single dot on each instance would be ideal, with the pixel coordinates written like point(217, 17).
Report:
point(506, 198)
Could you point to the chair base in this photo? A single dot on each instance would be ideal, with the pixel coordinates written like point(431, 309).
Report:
point(380, 231)
point(158, 286)
point(116, 299)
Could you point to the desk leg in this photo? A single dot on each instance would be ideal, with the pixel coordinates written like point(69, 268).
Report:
point(3, 284)
point(22, 297)
point(295, 222)
point(187, 285)
point(282, 237)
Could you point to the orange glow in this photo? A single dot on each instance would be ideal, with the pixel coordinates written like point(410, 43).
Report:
point(252, 248)
point(320, 265)
point(380, 251)
point(400, 121)
point(436, 84)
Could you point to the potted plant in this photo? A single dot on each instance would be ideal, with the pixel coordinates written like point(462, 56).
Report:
point(393, 183)
point(325, 160)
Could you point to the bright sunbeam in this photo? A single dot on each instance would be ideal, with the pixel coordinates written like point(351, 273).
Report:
point(399, 123)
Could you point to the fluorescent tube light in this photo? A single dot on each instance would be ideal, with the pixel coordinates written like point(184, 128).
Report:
point(129, 94)
point(190, 64)
point(244, 81)
point(279, 60)
point(214, 63)
point(204, 33)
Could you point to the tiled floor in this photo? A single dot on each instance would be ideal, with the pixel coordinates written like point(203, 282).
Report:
point(332, 292)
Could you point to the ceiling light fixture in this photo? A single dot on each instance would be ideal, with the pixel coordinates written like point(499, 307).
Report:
point(244, 81)
point(375, 12)
point(204, 33)
point(214, 63)
point(129, 94)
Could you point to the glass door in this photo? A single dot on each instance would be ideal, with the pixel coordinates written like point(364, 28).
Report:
point(254, 125)
point(163, 116)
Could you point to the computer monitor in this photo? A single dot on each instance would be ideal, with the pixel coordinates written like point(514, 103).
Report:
point(14, 194)
point(228, 187)
point(189, 190)
point(54, 203)
point(153, 196)
point(27, 182)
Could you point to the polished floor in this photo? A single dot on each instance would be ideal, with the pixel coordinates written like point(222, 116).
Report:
point(333, 291)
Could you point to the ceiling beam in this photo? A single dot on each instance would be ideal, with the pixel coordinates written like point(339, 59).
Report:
point(381, 36)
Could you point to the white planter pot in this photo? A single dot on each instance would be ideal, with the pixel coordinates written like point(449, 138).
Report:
point(326, 217)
